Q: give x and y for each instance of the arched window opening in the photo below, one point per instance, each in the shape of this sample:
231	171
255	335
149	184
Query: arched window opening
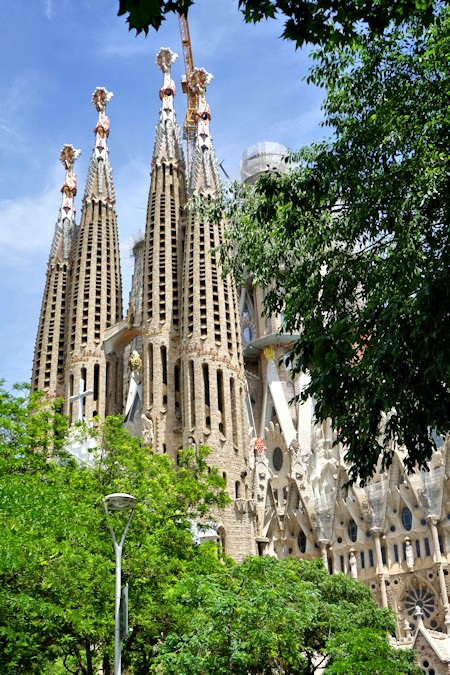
352	530
301	541
237	489
407	519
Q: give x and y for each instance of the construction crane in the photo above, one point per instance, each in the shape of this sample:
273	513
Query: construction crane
190	122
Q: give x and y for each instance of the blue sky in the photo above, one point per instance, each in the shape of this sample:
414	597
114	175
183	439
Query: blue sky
53	54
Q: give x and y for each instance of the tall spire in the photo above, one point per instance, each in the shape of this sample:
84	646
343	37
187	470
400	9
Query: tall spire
48	357
65	230
99	184
204	173
168	144
96	286
162	266
214	405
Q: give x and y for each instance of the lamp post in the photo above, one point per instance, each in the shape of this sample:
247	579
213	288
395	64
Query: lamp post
118	501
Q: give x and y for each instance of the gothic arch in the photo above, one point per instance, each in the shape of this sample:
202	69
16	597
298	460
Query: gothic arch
222	539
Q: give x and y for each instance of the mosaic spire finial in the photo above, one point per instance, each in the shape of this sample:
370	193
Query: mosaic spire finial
198	81
100	98
204	174
67	157
165	58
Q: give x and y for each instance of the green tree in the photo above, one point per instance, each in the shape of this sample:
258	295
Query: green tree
266	616
314	21
57	563
353	244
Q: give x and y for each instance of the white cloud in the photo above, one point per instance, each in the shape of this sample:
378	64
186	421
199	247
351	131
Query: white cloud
27	223
48	9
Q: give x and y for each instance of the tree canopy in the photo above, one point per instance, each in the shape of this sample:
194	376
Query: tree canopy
306	21
57	562
353	245
267	616
191	610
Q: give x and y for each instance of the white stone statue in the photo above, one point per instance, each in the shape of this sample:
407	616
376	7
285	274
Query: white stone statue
409	554
353	564
147	429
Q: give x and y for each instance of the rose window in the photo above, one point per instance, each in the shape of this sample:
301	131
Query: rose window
423	598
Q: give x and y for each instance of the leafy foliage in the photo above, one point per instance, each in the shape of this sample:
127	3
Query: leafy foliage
353	244
57	563
145	14
271	616
314	21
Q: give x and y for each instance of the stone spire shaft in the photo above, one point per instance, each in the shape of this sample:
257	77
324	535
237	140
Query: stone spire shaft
48	364
214	406
161	288
96	286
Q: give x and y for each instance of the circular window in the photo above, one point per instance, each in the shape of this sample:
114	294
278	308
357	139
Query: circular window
420	597
352	529
277	459
407	518
301	541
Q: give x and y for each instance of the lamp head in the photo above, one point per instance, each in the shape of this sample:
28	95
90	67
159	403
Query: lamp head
120	501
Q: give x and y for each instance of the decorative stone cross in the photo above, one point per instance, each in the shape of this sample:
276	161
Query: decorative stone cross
79	397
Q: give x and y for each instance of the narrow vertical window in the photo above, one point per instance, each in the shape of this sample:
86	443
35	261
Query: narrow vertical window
396	558
234	421
206	395
176	377
96	380
220	397
150	375
164	375
418	548
192	392
164	364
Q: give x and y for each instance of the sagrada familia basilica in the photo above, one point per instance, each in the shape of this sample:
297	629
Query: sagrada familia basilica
195	363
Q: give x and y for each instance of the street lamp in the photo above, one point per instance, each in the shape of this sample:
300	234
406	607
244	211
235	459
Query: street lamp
118	501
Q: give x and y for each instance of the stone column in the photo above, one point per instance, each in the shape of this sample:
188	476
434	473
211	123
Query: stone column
376	532
437	557
323	544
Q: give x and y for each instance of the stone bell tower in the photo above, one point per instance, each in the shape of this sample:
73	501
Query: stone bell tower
213	384
48	364
95	301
